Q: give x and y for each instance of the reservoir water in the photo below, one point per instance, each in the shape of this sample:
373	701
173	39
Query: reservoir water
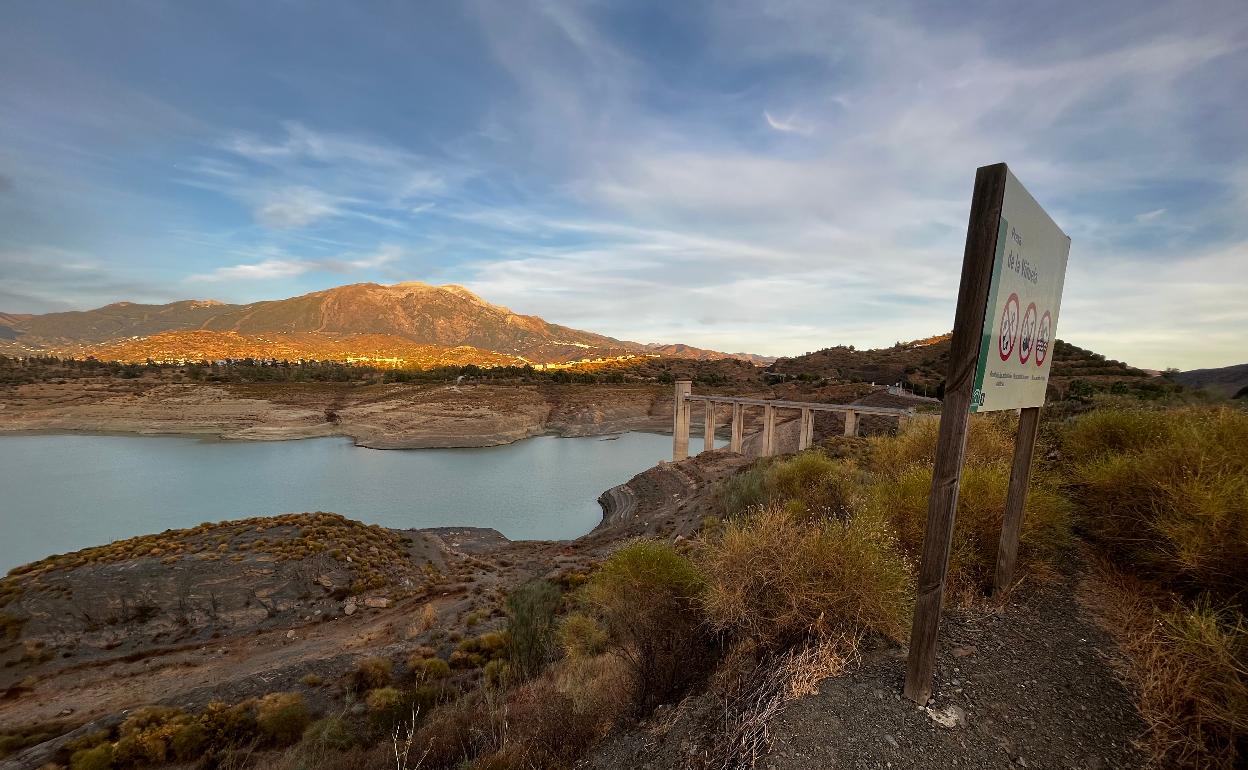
59	493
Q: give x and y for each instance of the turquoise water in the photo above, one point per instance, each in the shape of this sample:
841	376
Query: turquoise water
60	493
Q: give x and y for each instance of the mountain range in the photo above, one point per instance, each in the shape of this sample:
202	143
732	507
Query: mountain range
408	323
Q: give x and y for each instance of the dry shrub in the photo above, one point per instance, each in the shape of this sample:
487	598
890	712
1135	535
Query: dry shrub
646	597
990	440
902	501
1189	665
774	579
811	481
1167	492
282	717
599	687
371	673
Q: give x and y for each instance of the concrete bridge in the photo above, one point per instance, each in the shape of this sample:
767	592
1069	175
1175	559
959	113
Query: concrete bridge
685	396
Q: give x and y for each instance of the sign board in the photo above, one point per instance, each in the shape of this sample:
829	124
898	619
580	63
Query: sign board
1024	297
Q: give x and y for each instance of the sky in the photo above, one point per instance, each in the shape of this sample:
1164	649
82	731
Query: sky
771	176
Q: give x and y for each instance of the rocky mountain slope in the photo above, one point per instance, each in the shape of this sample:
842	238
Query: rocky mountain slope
1227	380
327	324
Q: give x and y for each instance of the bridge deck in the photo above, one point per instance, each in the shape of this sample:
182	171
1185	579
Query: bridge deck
814	406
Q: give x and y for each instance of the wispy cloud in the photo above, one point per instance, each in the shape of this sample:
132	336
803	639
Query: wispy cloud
789	125
278	267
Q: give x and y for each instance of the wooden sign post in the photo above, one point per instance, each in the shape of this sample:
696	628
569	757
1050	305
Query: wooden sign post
1013	270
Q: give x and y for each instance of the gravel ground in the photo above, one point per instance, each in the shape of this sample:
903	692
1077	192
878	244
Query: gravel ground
1030	685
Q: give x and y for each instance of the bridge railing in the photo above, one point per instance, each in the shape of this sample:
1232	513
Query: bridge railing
685	396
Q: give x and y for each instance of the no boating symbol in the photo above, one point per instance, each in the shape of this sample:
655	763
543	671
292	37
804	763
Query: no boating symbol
1027	337
1042	338
1009	328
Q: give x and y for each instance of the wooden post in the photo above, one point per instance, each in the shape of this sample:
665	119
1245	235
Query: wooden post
708	427
1016	497
769	430
738	428
851	423
968	324
807	432
680	420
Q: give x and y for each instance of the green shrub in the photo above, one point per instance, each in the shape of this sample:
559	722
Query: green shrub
774	579
1167	492
646	597
580	636
531	612
282	717
329	733
383	699
811	481
98	758
497	674
188	741
226	725
433	668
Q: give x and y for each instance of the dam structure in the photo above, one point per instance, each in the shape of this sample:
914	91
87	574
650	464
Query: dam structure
684	397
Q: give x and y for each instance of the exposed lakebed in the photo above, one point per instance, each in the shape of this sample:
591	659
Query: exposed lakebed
65	492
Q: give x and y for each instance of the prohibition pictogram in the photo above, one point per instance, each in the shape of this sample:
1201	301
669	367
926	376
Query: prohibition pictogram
1027	336
1043	337
1009	328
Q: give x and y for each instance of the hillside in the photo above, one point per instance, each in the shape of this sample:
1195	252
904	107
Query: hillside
330	324
922	364
1230	381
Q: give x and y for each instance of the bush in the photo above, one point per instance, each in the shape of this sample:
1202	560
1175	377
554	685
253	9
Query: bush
383	699
902	501
1190	666
812	482
1167	492
98	758
433	668
531	612
990	440
646	597
282	717
580	636
773	579
329	733
371	673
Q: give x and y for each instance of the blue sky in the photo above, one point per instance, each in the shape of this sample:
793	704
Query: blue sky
767	176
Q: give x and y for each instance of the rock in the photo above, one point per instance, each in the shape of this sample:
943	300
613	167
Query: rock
950	716
962	652
348	608
377	602
892	741
290	634
325	580
65	712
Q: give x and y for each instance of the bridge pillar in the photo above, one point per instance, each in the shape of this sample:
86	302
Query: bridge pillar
708	427
738	428
851	423
769	430
806	435
680	420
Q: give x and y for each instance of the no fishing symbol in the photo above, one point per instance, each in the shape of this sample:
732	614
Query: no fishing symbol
1009	328
1028	335
1042	338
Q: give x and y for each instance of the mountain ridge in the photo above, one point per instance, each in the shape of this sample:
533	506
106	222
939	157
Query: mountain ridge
411	313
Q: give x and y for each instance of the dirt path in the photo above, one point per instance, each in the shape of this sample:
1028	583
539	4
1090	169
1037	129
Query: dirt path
1032	686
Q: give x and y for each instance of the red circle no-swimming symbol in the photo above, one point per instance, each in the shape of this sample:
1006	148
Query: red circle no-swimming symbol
1044	338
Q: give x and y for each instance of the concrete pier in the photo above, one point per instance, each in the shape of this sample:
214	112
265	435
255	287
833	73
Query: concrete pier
769	430
680	420
708	426
738	428
806	435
